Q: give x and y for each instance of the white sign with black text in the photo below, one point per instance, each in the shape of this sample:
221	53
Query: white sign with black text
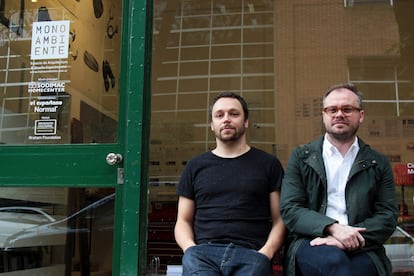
50	39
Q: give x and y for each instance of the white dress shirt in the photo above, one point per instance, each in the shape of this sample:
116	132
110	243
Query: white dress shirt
337	169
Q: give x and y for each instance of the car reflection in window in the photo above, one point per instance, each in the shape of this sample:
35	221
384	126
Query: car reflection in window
400	250
26	232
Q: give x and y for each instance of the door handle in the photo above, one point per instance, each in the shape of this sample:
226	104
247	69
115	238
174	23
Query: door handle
113	158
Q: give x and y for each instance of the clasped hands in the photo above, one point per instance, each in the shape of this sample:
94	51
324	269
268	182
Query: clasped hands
344	237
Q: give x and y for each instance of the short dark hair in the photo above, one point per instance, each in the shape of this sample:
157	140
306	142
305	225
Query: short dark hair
229	94
350	86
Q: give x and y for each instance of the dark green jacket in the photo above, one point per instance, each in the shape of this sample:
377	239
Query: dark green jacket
370	198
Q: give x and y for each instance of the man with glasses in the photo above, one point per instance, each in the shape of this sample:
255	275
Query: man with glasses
338	198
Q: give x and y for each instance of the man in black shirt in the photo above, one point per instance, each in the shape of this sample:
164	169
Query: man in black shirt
228	220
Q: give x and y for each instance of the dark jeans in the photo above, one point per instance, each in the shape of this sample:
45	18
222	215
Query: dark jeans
330	260
224	259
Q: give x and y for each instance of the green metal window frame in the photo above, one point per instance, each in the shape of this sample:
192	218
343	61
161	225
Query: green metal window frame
131	208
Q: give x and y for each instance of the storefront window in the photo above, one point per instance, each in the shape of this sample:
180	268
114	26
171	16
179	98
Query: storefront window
59	70
281	56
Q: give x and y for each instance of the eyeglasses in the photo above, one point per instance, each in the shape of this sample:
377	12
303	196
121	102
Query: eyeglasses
347	110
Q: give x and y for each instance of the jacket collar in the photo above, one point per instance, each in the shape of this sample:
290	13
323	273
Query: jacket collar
311	154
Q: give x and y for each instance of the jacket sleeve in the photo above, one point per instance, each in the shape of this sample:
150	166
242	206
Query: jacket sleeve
382	213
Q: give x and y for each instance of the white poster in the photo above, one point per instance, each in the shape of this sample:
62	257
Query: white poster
50	40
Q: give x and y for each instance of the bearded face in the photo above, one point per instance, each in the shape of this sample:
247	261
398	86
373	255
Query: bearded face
342	115
228	122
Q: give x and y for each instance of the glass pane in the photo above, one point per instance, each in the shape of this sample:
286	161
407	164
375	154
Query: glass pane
209	46
280	56
59	71
406	91
55	231
378	91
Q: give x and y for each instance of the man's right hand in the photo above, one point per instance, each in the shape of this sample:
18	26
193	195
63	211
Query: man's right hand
350	237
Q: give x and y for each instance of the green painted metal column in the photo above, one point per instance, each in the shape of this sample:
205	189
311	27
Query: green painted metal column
130	235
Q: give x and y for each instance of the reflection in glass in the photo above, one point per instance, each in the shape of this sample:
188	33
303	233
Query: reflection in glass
56	231
281	56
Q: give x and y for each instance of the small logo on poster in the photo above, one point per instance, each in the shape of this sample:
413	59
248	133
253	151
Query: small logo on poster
50	40
45	127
